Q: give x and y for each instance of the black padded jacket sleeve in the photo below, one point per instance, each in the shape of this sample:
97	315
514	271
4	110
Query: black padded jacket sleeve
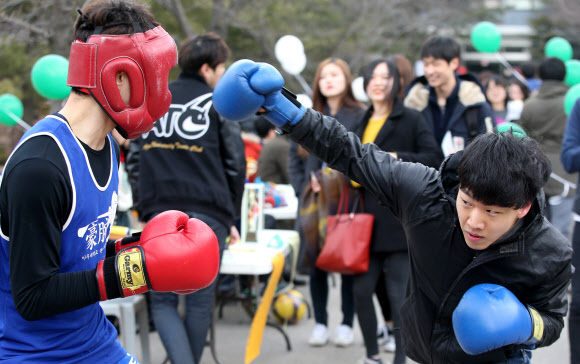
233	158
132	160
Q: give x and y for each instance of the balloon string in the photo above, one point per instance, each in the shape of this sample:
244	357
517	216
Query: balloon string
304	85
508	66
18	120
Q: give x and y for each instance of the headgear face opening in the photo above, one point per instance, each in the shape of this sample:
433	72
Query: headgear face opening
146	58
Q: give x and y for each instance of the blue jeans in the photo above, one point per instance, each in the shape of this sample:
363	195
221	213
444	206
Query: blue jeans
184	340
574	315
522	356
560	214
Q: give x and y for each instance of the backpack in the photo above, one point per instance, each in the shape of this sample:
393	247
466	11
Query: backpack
471	116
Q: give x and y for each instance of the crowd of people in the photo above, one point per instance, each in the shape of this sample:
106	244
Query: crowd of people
459	208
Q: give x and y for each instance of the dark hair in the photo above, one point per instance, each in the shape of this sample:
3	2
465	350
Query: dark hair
440	47
552	69
347	99
262	126
499	81
207	48
405	72
393	72
524	88
503	170
528	70
113	17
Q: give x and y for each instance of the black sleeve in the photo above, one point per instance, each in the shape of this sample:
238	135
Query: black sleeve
233	157
427	151
398	185
132	160
38	203
296	168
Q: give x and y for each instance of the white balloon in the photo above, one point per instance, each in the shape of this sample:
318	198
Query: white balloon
358	90
304	100
294	65
287	47
419	68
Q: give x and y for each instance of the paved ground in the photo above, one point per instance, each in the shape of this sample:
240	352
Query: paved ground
232	332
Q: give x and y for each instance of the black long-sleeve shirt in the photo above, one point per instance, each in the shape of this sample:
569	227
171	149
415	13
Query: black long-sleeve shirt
35	202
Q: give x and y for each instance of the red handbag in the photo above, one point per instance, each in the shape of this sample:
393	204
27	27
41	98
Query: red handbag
348	239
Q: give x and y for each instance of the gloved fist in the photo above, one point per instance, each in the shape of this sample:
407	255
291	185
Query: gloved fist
173	253
247	86
489	316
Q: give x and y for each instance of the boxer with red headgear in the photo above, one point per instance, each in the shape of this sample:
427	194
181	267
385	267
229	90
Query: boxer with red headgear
58	198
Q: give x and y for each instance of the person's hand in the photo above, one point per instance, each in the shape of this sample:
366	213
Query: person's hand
302	153
247	87
490	316
173	253
234	235
124	143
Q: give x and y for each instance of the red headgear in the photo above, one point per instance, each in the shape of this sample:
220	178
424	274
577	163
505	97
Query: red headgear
146	58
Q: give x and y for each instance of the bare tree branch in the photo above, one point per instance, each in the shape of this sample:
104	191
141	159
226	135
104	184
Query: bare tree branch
21	24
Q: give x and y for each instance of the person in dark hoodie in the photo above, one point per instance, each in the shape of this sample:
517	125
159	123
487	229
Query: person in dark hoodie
488	273
192	161
453	105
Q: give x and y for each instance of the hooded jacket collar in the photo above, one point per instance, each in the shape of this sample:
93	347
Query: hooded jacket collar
470	92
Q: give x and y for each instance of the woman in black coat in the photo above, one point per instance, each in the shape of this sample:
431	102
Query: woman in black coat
404	134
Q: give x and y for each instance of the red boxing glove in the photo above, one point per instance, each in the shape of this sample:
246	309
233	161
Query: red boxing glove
174	253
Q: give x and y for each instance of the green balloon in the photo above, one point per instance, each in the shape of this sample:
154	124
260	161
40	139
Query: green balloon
486	37
516	129
49	76
572	95
572	72
558	47
10	104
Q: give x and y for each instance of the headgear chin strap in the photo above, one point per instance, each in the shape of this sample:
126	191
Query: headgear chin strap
146	58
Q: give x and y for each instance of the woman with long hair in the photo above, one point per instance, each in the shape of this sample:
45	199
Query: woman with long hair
405	135
517	94
496	96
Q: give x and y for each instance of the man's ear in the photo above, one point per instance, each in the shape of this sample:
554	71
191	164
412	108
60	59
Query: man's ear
454	63
524	210
120	78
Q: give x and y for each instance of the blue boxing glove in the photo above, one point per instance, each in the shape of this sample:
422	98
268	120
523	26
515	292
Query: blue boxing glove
490	316
247	86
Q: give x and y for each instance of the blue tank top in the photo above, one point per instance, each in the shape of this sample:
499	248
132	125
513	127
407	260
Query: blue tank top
84	335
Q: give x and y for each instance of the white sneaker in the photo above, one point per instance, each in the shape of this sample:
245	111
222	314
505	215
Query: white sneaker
386	339
344	336
390	345
382	335
319	336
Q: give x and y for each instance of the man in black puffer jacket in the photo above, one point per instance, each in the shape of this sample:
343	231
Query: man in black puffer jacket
451	248
478	220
